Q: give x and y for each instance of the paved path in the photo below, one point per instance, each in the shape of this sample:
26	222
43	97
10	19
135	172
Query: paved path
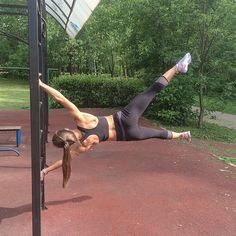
221	119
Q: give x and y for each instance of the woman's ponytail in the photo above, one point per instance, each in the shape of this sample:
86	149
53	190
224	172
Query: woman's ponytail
64	139
66	164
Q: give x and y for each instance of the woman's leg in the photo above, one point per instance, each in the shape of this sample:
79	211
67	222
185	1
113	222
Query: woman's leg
142	133
184	135
132	112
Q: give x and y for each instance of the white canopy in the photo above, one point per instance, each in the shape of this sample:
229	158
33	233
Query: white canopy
71	14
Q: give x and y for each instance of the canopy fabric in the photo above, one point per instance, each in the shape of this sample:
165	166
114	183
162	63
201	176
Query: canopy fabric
71	14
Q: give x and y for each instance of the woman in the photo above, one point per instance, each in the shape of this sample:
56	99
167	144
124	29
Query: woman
121	126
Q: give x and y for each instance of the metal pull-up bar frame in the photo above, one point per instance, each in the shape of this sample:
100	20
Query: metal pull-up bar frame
15	7
36	12
39	105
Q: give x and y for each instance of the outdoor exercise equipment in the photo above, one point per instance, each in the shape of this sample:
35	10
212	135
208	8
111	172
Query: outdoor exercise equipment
9	150
17	130
71	15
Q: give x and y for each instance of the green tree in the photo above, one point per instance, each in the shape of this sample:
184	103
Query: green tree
211	27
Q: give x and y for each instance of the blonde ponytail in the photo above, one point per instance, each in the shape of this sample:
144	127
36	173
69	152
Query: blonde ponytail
66	164
64	139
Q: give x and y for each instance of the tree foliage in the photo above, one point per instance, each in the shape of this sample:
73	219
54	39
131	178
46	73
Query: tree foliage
140	38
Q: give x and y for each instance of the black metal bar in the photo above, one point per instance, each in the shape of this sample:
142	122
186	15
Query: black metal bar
55	14
45	53
19	6
42	116
58	8
15	7
13	36
66	3
56	20
71	9
13	13
44	108
33	9
23	68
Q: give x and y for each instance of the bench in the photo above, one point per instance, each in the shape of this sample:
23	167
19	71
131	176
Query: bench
9	150
17	129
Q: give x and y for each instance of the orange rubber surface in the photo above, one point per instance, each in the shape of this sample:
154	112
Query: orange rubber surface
145	188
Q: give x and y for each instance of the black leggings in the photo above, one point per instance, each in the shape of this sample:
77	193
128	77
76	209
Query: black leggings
126	120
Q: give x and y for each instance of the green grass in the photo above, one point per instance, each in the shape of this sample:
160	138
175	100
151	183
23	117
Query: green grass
230	107
208	132
14	94
213	132
217	104
229	160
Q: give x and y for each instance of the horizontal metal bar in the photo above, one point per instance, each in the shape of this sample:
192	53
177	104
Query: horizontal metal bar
19	6
9	150
22	68
9	35
13	13
56	15
14	68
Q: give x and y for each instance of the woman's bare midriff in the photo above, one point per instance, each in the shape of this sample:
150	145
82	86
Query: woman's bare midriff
112	129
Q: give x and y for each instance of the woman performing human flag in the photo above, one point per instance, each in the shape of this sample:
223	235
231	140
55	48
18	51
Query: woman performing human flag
91	130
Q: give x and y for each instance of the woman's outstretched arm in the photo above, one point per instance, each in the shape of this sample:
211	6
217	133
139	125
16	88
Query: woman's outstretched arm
58	97
57	164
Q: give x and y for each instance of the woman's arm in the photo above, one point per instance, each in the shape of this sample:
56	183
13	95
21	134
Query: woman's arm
76	150
57	165
58	97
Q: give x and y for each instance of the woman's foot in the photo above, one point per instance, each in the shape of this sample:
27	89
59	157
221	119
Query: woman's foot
186	136
182	65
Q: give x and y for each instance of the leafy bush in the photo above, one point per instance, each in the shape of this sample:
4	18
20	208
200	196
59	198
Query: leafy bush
221	88
17	74
172	106
229	91
93	91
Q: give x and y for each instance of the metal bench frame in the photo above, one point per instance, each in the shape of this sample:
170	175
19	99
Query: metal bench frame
9	150
17	129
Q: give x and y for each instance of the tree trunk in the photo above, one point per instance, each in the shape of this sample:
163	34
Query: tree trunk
125	70
94	67
203	39
112	65
202	109
59	69
70	65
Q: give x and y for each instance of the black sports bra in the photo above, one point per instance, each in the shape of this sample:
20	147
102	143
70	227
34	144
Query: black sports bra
101	130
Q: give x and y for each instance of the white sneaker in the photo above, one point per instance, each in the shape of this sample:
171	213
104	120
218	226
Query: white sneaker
182	65
186	136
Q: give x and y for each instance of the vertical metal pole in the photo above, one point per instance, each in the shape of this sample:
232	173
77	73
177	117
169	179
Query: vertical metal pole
45	67
44	103
33	10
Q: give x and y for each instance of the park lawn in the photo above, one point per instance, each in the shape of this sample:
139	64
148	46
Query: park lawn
225	106
230	107
14	94
209	131
212	132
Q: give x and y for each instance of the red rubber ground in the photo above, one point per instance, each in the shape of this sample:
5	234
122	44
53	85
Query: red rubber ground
146	188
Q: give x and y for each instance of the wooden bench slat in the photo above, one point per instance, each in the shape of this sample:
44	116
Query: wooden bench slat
10	128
